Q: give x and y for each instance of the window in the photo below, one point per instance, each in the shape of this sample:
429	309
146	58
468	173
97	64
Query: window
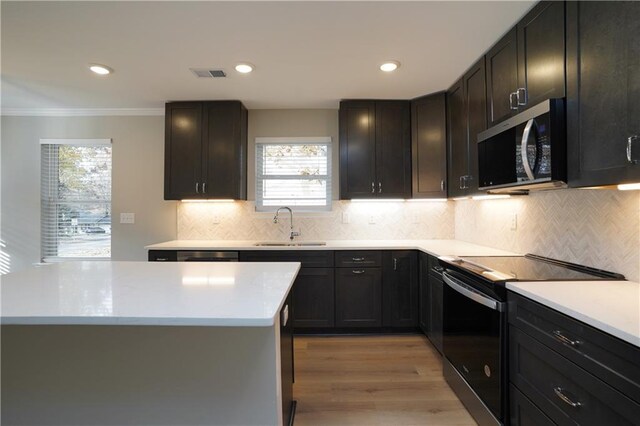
294	172
76	198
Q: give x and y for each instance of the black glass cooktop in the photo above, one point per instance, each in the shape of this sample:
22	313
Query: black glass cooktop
530	268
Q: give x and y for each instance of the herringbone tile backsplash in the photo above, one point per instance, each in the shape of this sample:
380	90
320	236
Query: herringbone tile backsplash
598	228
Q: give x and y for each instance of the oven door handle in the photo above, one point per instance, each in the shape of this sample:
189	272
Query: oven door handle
523	149
472	294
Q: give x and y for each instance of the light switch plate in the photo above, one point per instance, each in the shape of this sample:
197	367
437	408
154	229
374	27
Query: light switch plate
514	222
128	218
372	220
345	217
416	218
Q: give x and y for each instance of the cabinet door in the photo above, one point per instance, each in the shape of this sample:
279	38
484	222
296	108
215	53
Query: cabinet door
475	97
457	139
523	412
313	298
435	332
357	149
358	297
400	307
502	78
429	146
425	294
541	54
393	149
225	150
183	150
603	92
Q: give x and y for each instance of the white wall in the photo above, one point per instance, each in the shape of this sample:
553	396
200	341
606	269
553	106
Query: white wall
138	173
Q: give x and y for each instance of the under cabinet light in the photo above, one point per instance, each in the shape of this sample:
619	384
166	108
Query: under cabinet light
208	201
427	200
378	200
629	186
490	197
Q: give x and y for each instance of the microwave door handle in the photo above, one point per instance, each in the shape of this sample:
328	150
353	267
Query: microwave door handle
523	149
472	294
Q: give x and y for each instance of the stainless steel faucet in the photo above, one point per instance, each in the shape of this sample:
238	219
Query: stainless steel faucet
275	220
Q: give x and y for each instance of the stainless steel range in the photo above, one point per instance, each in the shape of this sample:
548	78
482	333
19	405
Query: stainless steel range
475	321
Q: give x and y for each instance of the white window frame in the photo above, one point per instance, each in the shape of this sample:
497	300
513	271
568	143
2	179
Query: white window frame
82	142
322	140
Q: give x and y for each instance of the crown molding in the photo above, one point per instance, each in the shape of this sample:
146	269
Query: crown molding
80	112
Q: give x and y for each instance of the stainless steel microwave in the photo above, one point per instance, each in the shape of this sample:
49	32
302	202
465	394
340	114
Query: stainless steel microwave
525	152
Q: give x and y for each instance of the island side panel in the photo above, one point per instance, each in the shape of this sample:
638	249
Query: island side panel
131	375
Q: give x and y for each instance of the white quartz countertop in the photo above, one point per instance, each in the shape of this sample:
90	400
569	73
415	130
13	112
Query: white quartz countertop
610	306
433	247
147	293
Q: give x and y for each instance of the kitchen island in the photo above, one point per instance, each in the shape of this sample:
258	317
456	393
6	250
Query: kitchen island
118	343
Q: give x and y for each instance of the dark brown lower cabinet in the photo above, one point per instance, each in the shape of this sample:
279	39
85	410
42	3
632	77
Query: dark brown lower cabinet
358	297
424	294
313	298
523	412
436	286
400	306
569	371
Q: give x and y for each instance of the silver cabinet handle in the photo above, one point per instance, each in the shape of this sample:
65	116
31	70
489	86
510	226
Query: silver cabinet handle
197	187
630	141
285	315
461	180
162	259
395	263
512	97
523	149
379	187
522	101
373	188
358	271
564	339
560	394
442	185
204	187
357	259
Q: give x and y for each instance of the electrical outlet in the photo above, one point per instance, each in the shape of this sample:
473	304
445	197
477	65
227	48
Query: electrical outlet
128	218
514	221
372	220
345	217
416	218
216	219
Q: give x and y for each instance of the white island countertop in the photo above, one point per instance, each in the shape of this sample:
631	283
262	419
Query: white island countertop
147	293
610	306
432	247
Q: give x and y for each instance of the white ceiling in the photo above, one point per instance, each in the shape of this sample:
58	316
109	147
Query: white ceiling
307	54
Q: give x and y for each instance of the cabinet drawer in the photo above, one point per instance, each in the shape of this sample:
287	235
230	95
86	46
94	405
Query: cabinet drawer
163	255
523	412
308	258
605	356
565	392
348	259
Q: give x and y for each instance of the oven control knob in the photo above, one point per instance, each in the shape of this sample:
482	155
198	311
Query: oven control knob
487	370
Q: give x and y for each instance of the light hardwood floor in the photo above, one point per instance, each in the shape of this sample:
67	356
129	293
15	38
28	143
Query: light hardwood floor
372	380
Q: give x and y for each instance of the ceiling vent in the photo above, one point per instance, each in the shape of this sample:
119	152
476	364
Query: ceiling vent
205	73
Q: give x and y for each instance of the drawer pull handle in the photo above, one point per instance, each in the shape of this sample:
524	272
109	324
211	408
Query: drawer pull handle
564	339
162	259
358	259
356	271
565	398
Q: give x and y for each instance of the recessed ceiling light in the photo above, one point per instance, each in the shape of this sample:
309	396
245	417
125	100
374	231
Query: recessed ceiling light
100	69
244	68
389	66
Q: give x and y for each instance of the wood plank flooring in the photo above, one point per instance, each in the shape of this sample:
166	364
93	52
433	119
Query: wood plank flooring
372	380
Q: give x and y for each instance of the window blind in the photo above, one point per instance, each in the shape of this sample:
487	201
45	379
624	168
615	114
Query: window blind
294	172
75	198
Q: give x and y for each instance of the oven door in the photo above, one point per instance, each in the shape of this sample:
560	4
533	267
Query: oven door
473	340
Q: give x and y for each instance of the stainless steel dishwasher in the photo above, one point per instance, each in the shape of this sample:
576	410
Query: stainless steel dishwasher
207	256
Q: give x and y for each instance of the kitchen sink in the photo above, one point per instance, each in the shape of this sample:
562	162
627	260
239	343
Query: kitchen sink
290	244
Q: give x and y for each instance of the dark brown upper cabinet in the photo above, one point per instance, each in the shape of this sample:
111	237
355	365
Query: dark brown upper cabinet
375	149
466	117
527	65
429	146
205	150
502	78
603	92
541	54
